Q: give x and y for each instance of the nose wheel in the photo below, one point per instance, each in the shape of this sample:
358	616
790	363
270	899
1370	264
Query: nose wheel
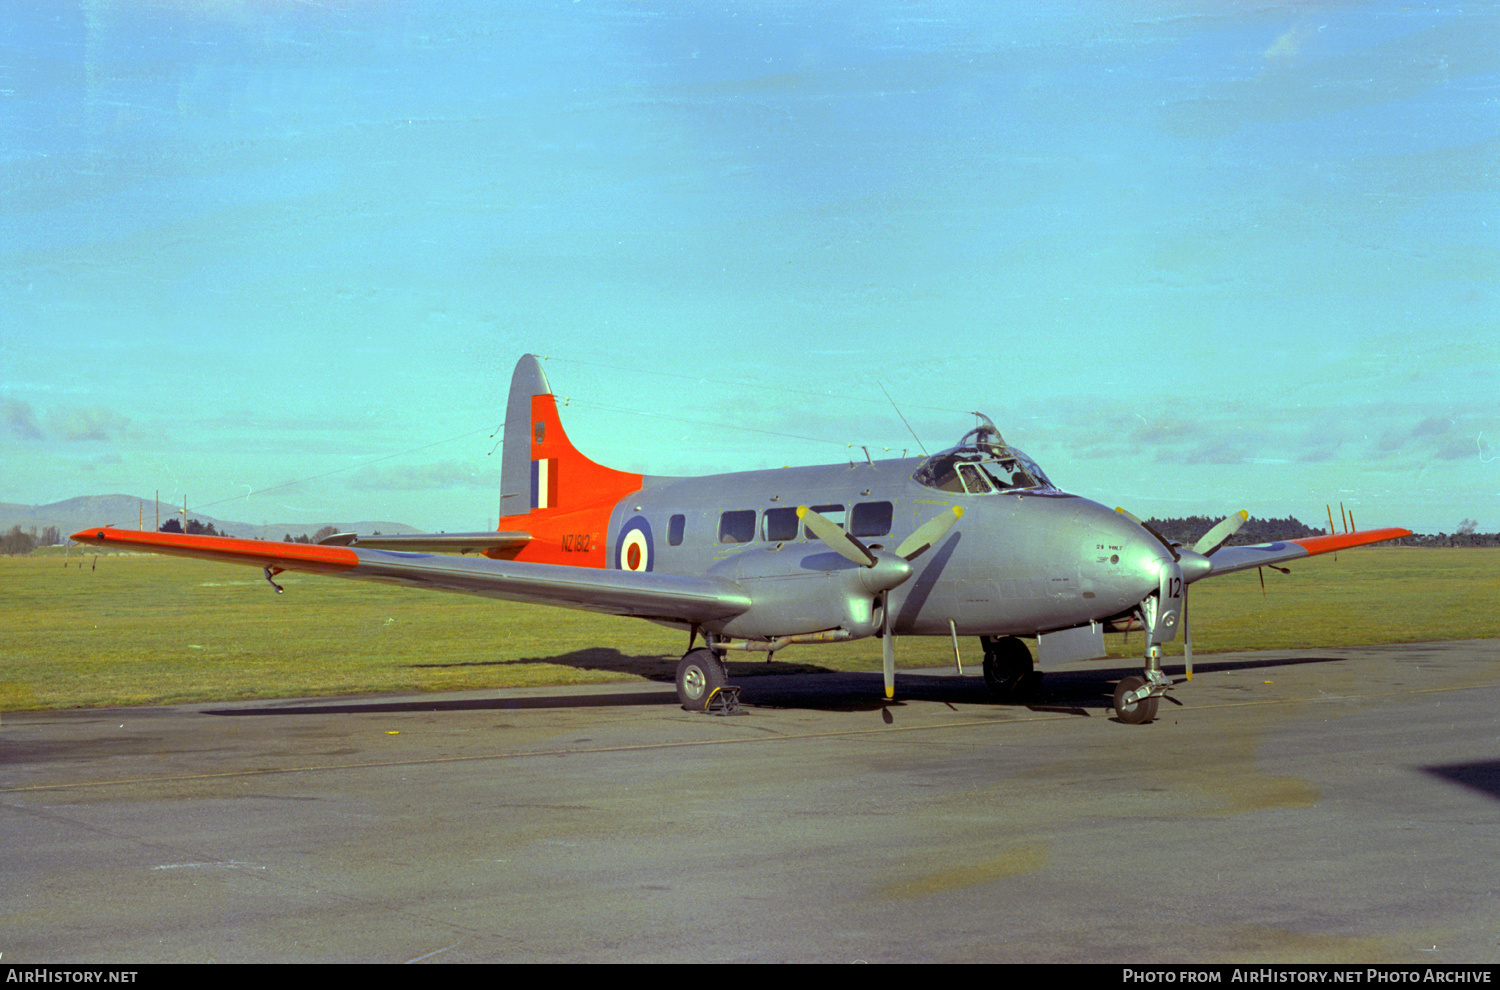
1130	705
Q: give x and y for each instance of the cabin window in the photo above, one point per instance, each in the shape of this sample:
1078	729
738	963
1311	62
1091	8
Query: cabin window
675	526
779	525
833	513
871	519
737	526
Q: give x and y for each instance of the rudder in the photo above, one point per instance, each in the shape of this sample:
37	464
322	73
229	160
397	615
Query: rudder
515	465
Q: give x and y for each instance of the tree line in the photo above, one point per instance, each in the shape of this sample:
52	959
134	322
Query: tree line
1187	531
19	542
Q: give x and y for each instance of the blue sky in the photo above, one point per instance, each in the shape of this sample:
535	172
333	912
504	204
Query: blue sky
1192	257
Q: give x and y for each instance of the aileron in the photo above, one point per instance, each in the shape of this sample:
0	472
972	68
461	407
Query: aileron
460	543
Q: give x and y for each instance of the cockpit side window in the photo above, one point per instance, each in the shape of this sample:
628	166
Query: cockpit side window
1009	474
941	473
973	476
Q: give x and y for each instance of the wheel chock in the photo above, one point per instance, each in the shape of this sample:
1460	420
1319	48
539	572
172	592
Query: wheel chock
724	701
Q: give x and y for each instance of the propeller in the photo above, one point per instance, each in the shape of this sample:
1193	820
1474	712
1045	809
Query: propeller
1208	544
897	568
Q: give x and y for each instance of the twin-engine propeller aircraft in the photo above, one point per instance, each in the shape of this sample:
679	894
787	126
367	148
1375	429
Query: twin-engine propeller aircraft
972	541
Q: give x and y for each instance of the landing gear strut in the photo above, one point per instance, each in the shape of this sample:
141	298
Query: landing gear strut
1161	611
1008	670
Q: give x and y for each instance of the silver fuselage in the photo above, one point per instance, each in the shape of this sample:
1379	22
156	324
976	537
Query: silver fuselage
1018	562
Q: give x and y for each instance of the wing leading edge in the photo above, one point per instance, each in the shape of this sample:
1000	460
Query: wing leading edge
649	595
1227	560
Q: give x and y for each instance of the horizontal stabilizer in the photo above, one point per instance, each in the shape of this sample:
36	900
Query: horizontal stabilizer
432	542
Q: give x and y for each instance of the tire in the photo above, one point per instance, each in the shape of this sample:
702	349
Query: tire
1008	671
1139	713
699	675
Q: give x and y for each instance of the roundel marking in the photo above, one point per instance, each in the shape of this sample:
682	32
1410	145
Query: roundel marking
634	550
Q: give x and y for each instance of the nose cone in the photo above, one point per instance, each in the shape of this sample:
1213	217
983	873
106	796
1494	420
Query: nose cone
1194	565
887	572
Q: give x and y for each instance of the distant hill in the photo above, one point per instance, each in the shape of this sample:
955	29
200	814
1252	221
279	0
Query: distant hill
124	511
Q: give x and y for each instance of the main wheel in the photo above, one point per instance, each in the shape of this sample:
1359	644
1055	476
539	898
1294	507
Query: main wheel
1008	671
699	675
1142	711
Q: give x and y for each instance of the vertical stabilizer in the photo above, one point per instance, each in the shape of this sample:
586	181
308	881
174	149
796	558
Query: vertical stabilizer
545	479
515	466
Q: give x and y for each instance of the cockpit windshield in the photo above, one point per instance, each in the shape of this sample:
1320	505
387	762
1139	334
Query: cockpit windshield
981	463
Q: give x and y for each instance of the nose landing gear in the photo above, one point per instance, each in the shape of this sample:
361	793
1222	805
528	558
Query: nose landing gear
1136	697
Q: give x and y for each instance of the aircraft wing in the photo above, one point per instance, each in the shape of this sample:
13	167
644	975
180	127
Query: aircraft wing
1227	560
648	595
431	542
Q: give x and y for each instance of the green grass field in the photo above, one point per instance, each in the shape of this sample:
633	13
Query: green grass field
127	629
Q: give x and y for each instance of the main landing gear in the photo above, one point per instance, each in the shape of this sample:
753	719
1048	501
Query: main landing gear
703	683
1008	670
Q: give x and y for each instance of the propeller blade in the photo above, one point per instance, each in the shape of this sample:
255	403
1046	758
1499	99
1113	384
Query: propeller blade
1187	635
929	533
888	650
1159	538
837	539
1215	538
887	646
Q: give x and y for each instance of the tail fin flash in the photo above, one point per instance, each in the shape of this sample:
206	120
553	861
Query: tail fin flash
528	381
541	469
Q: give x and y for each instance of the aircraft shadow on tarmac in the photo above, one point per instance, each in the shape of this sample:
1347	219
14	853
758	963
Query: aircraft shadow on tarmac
792	686
1483	777
651	666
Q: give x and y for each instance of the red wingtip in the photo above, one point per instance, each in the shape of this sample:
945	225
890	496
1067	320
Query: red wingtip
1343	541
301	556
